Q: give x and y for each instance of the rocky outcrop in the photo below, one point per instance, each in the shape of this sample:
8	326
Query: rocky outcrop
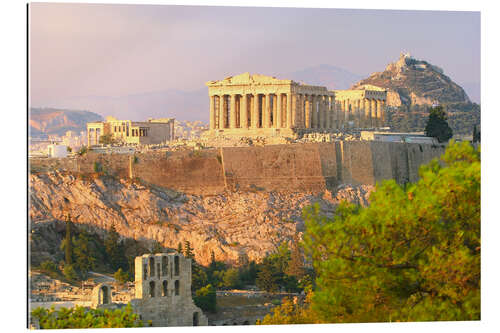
231	224
410	81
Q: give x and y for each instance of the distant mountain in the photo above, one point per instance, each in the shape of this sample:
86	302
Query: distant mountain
415	82
325	75
58	121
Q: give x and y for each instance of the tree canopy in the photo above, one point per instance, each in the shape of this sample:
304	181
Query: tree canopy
437	125
412	255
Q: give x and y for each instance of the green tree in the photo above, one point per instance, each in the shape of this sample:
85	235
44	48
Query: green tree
199	276
206	298
121	276
267	277
80	317
188	250
115	250
437	125
231	279
296	263
412	255
84	256
179	248
69	272
66	244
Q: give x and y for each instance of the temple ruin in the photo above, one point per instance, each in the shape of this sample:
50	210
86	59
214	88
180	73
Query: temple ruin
255	105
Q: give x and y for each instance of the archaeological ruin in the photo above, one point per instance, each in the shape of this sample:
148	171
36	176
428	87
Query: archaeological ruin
363	107
163	291
256	105
153	131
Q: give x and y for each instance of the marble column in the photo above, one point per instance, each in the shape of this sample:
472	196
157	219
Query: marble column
212	113
243	111
367	117
266	123
255	113
307	111
328	112
279	112
289	123
296	111
222	112
314	111
232	113
275	110
374	113
382	118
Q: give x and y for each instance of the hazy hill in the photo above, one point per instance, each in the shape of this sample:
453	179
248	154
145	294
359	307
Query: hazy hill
416	82
58	121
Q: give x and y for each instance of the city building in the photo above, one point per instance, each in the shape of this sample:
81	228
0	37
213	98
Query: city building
153	131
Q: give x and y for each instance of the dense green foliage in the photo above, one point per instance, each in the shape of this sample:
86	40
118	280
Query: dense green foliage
206	298
84	256
412	255
437	125
115	250
80	317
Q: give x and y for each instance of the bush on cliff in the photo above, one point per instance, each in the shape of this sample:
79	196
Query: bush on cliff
412	255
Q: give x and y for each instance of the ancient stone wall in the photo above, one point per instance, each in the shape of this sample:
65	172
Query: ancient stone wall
309	167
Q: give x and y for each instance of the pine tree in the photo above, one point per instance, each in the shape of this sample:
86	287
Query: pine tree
115	249
188	251
296	263
179	248
84	256
437	125
68	251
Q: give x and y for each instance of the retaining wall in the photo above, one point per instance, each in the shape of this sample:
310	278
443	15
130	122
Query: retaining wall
308	167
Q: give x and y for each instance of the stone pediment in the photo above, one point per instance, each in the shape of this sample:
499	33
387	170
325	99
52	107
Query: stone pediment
247	78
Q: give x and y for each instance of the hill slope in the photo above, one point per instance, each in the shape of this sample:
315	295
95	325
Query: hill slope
58	121
416	82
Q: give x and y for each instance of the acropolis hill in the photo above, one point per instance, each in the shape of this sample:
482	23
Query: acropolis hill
233	200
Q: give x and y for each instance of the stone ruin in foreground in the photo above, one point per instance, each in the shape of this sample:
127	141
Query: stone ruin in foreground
162	292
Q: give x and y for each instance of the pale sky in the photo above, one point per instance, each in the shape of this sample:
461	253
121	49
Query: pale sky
116	50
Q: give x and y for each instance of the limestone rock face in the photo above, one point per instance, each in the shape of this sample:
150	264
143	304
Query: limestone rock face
231	224
410	81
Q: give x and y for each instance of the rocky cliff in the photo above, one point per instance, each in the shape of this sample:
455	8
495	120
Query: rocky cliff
230	224
410	81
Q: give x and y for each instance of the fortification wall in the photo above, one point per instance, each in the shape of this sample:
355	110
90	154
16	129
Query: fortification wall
192	172
311	167
274	167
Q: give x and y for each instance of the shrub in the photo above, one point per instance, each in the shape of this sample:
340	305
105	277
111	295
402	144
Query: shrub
206	298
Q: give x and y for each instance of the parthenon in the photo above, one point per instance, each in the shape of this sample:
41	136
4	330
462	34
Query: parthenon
259	105
365	106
